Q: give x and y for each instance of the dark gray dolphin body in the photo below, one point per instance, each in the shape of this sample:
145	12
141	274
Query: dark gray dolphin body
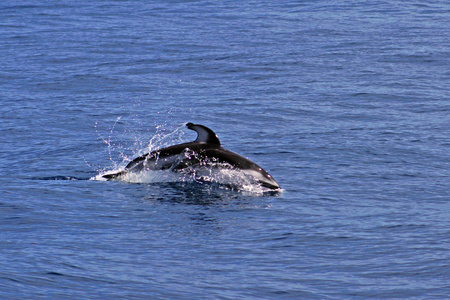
206	150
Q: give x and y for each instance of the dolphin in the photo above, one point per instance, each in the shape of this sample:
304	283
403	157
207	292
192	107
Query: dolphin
205	151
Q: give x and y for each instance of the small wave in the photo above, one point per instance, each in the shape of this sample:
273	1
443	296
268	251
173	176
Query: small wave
60	177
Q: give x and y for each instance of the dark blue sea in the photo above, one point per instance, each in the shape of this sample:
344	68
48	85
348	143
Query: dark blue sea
345	103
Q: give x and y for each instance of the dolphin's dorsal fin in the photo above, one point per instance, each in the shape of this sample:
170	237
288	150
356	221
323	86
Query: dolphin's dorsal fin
205	135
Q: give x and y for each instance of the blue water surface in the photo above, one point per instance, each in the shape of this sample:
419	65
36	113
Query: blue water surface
345	103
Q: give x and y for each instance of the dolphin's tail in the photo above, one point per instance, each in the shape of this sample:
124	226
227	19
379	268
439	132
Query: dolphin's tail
114	175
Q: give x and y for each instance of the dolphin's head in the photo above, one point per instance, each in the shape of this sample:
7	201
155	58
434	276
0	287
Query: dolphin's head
266	179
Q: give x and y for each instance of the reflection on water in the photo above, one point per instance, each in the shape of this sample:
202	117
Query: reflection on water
195	193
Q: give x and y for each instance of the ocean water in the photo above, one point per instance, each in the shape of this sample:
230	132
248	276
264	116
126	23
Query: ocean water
345	103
